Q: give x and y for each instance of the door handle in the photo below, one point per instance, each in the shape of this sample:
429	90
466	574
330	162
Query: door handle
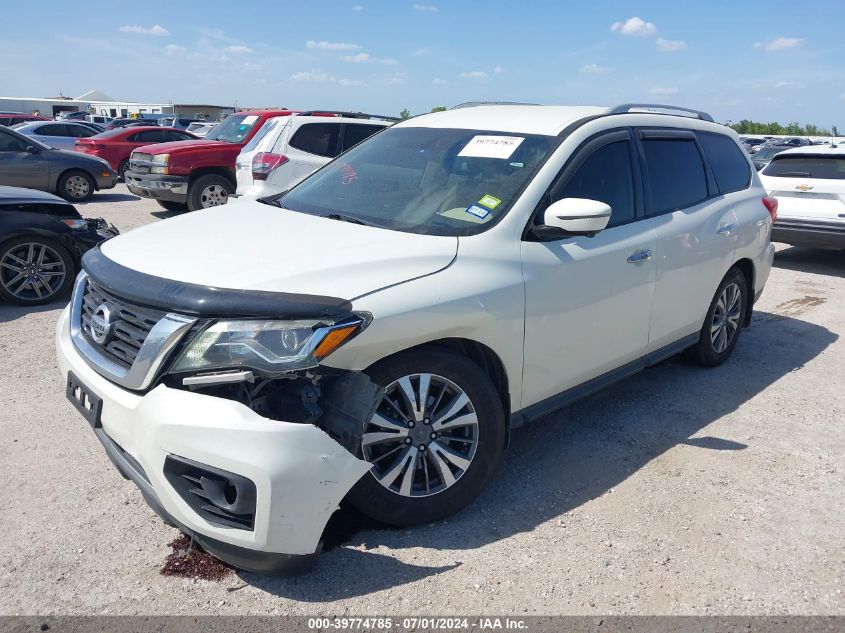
725	230
639	257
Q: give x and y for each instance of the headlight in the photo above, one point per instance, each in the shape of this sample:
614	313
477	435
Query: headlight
266	346
159	163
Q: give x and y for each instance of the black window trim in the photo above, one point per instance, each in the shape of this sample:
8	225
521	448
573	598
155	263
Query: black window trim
701	150
680	134
578	158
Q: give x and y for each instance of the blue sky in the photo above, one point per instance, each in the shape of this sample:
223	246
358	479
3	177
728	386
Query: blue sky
762	60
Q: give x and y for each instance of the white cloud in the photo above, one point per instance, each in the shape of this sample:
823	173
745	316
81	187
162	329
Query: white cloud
499	69
442	82
474	74
663	92
425	7
779	44
634	26
357	8
332	46
321	77
785	84
366	58
594	69
422	52
238	50
174	51
670	46
396	79
142	30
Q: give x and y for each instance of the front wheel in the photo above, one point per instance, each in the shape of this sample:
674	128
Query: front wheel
34	270
435	440
209	191
76	186
724	320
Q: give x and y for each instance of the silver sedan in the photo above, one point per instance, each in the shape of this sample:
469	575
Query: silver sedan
56	134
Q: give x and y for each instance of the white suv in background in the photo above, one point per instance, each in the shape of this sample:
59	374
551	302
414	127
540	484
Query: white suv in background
377	331
809	184
287	149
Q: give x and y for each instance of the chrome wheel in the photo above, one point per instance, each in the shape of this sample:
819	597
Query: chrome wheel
78	187
423	436
725	322
32	271
213	196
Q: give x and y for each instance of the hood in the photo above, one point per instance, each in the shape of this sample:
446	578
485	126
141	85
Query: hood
176	146
253	246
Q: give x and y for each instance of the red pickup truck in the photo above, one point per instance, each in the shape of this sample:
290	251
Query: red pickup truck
195	174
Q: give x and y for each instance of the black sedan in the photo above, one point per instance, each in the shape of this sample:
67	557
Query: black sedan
42	239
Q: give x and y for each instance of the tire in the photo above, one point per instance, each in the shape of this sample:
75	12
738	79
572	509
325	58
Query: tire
76	186
719	334
122	169
209	191
431	495
173	206
44	280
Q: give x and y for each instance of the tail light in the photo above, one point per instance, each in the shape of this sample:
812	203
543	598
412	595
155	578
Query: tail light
264	162
771	205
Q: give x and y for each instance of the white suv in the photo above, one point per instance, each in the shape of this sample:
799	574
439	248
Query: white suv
377	331
809	184
287	149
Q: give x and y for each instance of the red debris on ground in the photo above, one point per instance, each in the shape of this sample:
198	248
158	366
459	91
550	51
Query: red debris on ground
192	562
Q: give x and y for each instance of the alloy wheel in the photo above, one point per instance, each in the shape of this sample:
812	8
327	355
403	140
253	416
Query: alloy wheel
213	196
725	322
423	436
32	271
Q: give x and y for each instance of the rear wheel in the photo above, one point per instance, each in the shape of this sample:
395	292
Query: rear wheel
76	186
723	324
173	206
122	169
435	440
209	191
34	270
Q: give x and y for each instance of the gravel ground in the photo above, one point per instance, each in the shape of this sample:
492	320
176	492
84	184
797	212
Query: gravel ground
679	491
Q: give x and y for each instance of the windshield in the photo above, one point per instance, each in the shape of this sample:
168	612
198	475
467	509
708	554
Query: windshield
234	128
807	166
425	180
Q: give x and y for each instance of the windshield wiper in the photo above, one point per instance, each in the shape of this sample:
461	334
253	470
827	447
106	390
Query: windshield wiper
347	218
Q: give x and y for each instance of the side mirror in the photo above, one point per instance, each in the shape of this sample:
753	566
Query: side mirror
573	216
31	149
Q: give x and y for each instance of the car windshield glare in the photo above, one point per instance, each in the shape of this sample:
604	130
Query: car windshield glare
234	128
425	180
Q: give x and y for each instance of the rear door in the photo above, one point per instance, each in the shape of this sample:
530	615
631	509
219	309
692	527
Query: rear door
19	168
696	231
311	146
55	135
808	186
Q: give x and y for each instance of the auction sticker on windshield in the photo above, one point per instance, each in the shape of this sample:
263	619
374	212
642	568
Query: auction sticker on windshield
491	146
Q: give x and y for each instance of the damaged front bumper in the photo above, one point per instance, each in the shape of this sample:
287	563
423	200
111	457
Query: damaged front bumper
253	491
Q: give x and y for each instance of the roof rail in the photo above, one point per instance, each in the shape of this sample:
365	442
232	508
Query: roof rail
652	107
348	115
473	104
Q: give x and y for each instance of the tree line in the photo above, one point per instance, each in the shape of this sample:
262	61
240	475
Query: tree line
776	129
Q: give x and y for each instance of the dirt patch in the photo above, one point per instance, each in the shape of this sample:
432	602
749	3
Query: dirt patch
794	307
188	560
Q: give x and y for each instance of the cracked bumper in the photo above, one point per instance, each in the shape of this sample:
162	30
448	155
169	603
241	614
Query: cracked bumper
300	473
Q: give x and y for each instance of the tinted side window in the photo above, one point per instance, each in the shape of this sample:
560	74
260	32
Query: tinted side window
81	131
727	162
607	176
354	134
150	136
317	138
177	136
9	143
675	174
53	129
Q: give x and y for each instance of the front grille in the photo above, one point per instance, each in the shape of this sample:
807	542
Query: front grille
140	163
130	324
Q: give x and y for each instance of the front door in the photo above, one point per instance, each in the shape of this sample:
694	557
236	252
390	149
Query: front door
20	168
589	299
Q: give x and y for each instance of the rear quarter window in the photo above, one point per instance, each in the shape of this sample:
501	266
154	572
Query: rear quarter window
807	166
727	160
